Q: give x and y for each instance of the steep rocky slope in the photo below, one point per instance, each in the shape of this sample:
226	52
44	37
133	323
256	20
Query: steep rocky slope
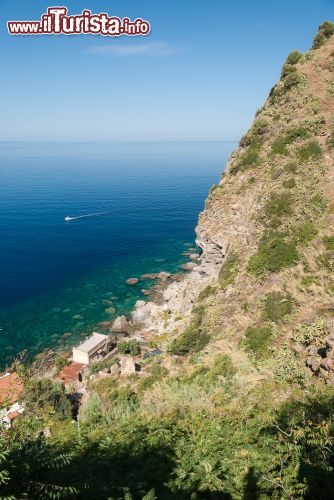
267	229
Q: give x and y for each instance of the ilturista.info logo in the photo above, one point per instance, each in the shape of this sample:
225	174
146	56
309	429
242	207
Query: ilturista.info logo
56	21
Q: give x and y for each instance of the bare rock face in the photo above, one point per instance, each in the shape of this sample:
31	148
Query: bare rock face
163	276
120	325
114	370
128	366
188	266
194	256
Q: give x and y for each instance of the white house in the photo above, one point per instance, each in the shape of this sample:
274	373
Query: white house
92	349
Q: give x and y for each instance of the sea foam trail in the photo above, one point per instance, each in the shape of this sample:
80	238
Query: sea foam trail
68	218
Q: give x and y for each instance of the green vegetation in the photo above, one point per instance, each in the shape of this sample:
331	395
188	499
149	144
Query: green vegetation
208	290
156	373
330	140
313	333
328	242
194	338
278	206
288	368
258	341
274	254
289	183
319	202
294	57
309	151
131	347
279	146
229	270
277	306
291	167
101	365
288	69
196	455
250	158
326	260
222	367
304	233
326	30
60	362
47	398
292	80
256	134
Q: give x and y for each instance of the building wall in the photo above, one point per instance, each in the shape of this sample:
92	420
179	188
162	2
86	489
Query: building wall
80	357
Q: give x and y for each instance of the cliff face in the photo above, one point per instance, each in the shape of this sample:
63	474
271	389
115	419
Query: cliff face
266	233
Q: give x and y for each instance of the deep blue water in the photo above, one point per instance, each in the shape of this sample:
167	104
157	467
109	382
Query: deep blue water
58	277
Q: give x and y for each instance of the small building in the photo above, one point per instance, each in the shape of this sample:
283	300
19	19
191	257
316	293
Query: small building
11	388
96	347
71	373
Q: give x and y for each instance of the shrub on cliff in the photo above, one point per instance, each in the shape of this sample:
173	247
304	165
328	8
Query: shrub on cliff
132	347
229	270
292	80
274	254
45	398
287	69
326	30
294	57
194	338
304	233
279	146
249	158
255	134
289	183
309	151
277	305
222	367
257	340
328	242
278	206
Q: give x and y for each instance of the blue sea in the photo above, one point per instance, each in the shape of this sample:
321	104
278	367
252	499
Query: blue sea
59	280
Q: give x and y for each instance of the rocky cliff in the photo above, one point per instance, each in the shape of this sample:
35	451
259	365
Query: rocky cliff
266	233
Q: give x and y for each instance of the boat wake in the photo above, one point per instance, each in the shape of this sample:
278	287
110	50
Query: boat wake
68	218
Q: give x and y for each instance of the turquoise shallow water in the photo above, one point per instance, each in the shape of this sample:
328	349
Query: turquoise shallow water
58	279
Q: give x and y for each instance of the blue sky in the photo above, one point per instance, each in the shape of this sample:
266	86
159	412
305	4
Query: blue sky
200	75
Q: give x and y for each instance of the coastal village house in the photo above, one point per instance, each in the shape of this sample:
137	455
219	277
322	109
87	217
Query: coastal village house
11	388
96	347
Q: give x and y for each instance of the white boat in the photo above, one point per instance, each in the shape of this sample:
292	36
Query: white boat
68	218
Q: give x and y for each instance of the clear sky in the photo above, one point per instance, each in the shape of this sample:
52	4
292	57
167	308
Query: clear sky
200	75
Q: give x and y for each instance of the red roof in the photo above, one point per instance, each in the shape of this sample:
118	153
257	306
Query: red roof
71	372
11	388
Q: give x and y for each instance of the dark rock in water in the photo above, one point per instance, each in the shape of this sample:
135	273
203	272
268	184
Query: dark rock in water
132	281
